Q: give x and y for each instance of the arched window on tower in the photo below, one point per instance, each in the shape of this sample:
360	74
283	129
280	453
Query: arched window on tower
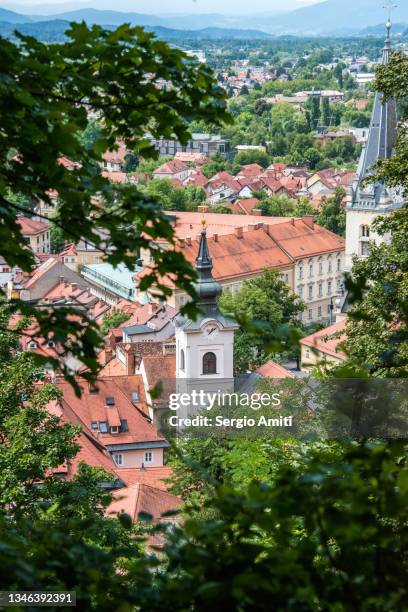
209	363
182	360
364	231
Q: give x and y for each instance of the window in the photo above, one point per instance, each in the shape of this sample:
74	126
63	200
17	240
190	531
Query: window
364	249
310	314
93	390
329	287
118	458
328	308
110	401
114	429
319	311
124	425
51	344
307	353
94	425
320	289
310	294
286	278
310	267
182	360
181	300
300	272
103	426
148	457
320	266
364	231
330	265
134	396
32	345
338	265
209	363
300	290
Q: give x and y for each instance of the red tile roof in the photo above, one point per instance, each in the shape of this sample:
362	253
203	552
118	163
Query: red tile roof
245	206
194	158
324	342
154	476
116	157
144	498
300	240
233	256
271	369
171	167
30	227
92	407
115	177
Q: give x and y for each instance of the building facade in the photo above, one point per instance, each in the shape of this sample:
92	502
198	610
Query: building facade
368	200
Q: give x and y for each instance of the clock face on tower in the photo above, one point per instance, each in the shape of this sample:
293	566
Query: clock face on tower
210	330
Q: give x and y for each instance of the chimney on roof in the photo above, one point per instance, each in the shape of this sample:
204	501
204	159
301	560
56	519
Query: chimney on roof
108	356
308	220
154	307
130	363
203	208
239	232
188	241
215	237
292	220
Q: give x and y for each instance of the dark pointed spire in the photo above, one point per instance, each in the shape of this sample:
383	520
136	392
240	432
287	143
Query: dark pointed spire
380	143
208	289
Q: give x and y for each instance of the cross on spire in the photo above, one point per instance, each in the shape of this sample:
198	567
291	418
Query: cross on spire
389	7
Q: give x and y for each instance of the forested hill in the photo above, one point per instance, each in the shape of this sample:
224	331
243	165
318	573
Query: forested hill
53	31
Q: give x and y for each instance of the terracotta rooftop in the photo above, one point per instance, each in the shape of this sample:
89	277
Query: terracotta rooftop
271	369
111	405
237	256
154	476
245	206
30	227
144	498
189	224
173	166
301	238
194	158
323	341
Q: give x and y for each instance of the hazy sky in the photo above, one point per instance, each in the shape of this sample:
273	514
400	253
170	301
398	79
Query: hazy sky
170	6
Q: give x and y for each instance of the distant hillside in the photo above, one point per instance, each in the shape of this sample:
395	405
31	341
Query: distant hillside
332	15
53	31
378	30
12	17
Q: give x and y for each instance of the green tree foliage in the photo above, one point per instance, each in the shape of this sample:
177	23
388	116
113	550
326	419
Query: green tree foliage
377	331
263	306
251	157
47	92
114	320
332	214
304	541
170	197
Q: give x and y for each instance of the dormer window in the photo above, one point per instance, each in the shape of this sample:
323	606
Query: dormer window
32	345
110	401
114	429
51	344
